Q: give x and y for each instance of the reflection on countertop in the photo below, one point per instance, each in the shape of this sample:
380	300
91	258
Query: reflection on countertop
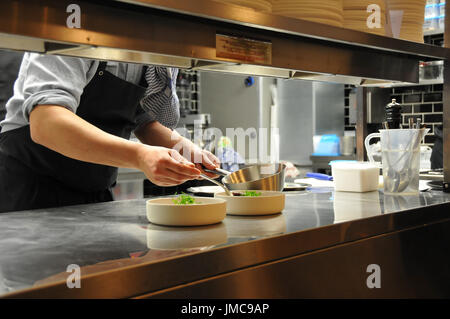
185	238
37	246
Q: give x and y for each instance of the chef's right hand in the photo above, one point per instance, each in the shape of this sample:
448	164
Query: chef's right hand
165	167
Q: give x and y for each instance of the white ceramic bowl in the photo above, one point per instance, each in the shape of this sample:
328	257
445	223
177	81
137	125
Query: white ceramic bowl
270	202
207	211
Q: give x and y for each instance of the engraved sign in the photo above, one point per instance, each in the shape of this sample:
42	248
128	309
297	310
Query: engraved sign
243	49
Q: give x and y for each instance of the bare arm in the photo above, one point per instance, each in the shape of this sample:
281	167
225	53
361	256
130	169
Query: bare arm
154	133
61	130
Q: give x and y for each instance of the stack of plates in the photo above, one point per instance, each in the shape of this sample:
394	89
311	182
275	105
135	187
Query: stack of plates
321	11
258	5
413	18
355	15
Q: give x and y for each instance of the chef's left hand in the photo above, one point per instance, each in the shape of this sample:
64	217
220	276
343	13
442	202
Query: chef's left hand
200	157
206	160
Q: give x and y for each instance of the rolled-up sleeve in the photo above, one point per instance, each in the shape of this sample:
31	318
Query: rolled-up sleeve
55	80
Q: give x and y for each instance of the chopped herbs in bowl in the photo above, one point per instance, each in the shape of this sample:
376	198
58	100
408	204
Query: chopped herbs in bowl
184	199
248	194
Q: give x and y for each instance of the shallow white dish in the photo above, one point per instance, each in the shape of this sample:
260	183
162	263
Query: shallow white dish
270	202
207	211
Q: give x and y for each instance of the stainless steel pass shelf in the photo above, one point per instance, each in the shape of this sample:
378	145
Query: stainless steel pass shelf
190	34
121	255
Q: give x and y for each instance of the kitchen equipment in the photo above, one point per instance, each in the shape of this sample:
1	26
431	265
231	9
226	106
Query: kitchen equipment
323	177
393	114
206	211
355	177
315	183
400	159
328	146
295	187
260	177
432	70
269	202
209	191
225	188
348	143
436	185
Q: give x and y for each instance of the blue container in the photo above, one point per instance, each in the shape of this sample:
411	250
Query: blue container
328	146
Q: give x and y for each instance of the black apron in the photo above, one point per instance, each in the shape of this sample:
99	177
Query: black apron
33	176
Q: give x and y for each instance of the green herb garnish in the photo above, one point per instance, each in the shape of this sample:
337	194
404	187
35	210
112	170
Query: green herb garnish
184	199
251	193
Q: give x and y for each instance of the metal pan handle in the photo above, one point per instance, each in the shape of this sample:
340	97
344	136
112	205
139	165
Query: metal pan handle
218	171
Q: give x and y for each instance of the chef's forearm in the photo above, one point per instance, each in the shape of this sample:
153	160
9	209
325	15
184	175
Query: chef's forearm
61	130
154	133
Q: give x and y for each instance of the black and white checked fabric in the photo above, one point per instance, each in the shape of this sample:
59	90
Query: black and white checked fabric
160	101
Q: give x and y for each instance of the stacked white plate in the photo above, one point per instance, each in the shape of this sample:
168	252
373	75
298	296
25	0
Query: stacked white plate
258	5
321	11
413	18
356	15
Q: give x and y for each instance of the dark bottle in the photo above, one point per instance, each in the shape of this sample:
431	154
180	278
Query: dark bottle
393	115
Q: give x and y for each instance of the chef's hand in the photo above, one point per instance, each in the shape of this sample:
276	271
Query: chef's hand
207	160
200	157
165	167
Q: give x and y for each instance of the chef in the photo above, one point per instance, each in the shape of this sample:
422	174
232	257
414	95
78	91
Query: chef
68	125
437	155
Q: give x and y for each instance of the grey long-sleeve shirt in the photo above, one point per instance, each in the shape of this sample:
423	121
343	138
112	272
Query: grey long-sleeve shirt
56	80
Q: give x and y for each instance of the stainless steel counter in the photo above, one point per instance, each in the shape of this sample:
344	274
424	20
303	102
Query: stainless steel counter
122	255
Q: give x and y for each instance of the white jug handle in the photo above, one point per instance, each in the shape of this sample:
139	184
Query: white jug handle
366	144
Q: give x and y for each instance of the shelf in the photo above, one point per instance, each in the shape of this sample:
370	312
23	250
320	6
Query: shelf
434	32
403	84
264	21
182	34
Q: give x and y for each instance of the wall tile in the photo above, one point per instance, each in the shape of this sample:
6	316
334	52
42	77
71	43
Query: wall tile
438	107
432	97
433	118
423	108
412	98
407	109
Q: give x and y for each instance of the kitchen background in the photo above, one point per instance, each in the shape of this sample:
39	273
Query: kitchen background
301	111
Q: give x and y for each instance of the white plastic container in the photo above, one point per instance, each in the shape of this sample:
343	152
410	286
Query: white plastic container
357	177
